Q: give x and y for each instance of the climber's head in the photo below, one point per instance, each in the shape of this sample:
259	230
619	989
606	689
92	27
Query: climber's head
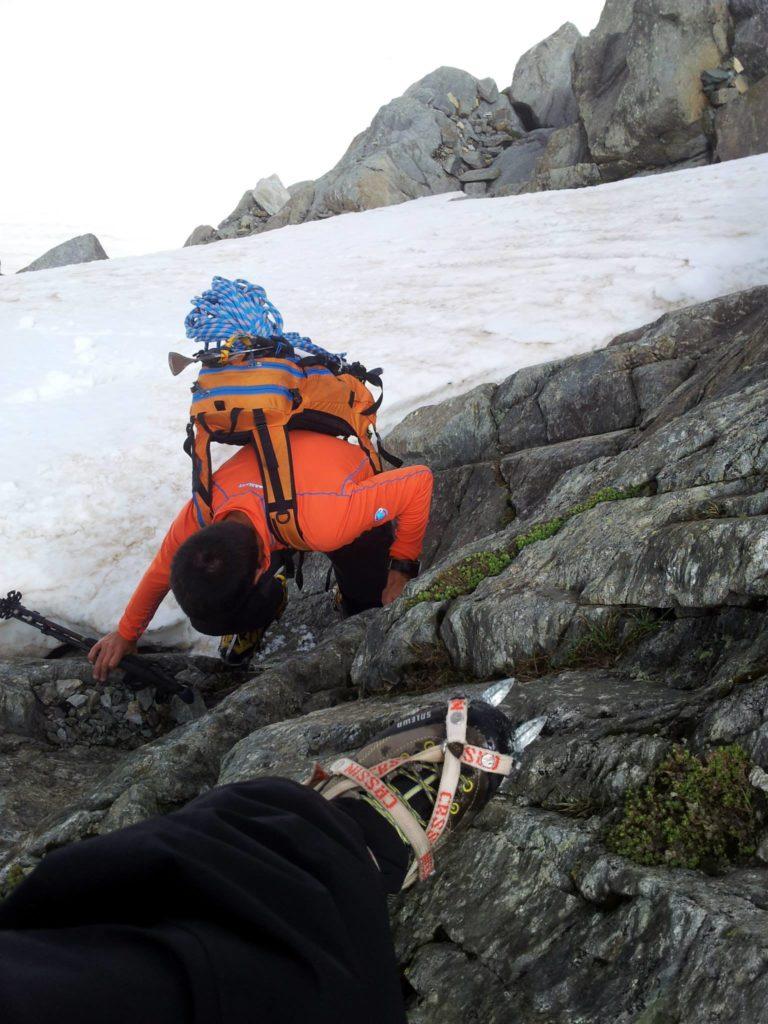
213	575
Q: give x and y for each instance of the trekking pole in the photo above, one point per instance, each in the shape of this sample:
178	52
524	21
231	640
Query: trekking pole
137	667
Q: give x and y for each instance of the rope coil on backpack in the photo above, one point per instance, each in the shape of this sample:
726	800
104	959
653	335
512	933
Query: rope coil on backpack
238	307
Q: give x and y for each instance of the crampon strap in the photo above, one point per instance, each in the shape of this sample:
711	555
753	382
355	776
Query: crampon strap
346	774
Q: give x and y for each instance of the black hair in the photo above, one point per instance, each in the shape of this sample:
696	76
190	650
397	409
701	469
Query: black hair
215	567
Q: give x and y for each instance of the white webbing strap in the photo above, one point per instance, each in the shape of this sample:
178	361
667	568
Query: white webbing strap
487	760
397	809
455	732
346	774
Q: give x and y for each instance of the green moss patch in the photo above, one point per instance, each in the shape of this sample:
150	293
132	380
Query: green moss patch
463	577
467	574
692	813
12	879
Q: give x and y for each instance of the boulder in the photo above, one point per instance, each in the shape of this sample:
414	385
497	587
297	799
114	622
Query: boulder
578	176
564	163
750	37
741	128
518	164
448	89
82	249
271	195
258	206
296	209
202	235
637	82
405	151
542	79
455	432
565	147
392	161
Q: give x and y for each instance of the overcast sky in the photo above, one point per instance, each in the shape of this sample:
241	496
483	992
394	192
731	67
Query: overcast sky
143	119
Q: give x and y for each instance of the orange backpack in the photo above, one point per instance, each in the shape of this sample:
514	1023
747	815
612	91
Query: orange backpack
255	391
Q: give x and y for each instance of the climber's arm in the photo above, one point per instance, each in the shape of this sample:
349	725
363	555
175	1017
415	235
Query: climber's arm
108	652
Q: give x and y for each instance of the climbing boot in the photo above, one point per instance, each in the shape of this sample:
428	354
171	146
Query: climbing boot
237	649
428	775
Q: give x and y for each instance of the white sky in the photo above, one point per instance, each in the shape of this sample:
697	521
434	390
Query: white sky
140	120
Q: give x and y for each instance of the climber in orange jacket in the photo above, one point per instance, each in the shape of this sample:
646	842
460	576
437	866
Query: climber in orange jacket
371	526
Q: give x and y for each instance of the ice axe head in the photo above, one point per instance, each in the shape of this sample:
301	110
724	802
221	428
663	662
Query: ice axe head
178	362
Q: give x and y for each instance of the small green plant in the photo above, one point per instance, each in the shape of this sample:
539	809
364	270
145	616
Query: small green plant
692	813
465	576
12	879
602	643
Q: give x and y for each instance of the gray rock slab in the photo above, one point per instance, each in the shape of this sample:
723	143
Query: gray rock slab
481	174
82	249
750	37
453	433
531	474
202	235
519	162
542	79
637	82
741	128
468	502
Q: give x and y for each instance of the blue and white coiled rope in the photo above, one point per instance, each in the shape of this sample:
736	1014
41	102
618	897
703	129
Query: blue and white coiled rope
239	307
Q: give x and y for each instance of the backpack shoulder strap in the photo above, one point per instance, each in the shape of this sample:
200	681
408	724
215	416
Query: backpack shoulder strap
274	453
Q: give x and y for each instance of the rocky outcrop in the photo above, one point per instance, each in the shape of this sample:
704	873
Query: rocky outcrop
251	214
645	92
545	159
617	505
750	37
542	83
82	249
420	144
202	235
742	127
637	81
442	135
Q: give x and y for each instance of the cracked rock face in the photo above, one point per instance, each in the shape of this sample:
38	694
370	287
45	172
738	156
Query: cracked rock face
636	79
542	79
633	624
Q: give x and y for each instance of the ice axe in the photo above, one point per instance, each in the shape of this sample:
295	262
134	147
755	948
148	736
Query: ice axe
138	669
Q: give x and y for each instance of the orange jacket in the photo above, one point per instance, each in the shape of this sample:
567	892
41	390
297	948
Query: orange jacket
338	497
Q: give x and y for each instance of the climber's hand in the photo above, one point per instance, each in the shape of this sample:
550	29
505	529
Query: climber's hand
395	584
107	654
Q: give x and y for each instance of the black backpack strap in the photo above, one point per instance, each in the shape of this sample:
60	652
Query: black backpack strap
393	460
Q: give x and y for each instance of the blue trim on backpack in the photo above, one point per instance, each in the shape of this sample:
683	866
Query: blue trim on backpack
258	389
255	365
